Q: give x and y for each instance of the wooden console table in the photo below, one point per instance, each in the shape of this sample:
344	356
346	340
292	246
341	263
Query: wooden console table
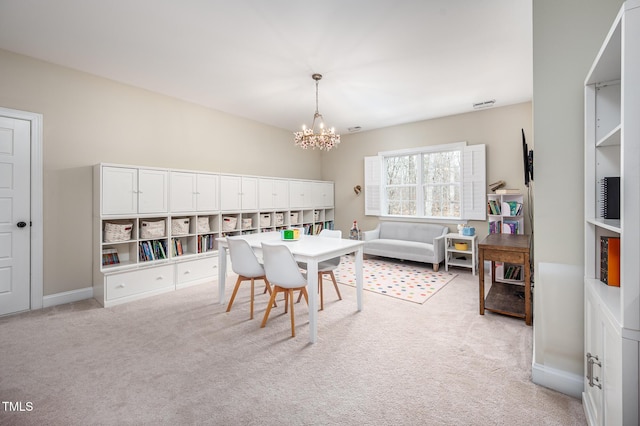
504	298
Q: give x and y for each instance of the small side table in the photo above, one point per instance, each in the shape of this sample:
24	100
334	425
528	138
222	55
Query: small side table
452	254
504	298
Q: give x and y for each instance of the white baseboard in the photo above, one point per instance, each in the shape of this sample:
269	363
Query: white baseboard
558	380
67	297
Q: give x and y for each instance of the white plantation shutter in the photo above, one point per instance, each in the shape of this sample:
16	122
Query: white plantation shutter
372	185
474	183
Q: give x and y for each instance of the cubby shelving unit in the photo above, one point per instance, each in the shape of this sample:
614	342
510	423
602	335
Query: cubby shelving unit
190	210
506	215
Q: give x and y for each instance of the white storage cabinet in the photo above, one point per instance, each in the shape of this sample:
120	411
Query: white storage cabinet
612	149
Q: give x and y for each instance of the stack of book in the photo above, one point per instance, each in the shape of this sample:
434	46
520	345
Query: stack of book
110	257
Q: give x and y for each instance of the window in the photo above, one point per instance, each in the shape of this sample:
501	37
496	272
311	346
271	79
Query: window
437	182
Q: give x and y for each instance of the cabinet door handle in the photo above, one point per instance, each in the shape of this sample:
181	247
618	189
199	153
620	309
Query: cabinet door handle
591	360
160	278
121	285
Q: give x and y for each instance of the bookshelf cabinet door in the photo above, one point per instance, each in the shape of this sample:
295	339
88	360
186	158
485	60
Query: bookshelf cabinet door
119	190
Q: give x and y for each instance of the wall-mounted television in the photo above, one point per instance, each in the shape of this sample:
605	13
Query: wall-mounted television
527	161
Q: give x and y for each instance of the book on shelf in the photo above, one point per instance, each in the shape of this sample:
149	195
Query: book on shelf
494	227
176	247
610	261
493	207
159	250
610	193
512	272
507	191
511	208
510	226
110	257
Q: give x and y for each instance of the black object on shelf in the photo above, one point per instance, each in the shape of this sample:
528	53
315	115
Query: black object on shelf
610	197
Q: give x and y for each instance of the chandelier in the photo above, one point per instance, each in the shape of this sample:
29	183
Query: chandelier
321	137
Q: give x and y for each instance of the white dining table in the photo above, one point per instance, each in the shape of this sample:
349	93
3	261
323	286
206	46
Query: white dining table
310	249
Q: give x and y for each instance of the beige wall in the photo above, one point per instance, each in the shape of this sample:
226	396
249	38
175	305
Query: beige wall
498	128
566	38
88	120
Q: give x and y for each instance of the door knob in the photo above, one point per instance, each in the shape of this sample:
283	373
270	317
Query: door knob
21	224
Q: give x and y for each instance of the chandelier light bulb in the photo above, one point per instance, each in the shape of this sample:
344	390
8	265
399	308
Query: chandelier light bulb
308	138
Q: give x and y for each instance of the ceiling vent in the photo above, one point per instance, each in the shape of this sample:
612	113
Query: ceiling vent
485	104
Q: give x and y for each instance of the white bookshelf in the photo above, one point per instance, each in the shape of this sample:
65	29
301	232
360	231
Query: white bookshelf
612	149
506	216
190	209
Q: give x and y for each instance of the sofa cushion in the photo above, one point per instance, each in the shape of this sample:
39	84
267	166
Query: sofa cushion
401	249
410	231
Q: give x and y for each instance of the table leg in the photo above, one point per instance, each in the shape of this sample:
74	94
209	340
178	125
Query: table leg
222	273
481	279
359	276
312	284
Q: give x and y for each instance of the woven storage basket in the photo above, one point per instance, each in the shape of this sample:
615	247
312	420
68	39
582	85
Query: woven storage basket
294	217
279	219
229	223
180	226
114	232
247	223
203	225
152	229
265	220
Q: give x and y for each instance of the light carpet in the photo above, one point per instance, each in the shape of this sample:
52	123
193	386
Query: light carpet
180	359
411	281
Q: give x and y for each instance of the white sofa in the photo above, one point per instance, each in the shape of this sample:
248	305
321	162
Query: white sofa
420	242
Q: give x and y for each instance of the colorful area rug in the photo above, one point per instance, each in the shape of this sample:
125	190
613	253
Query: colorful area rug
411	281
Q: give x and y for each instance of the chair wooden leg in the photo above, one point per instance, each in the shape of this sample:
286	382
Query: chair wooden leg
303	291
286	301
252	297
292	314
267	287
321	290
235	291
269	305
335	284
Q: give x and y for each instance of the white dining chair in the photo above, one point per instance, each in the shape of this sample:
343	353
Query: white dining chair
283	273
245	263
326	267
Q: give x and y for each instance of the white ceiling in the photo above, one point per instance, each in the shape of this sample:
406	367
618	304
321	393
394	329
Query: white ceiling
384	62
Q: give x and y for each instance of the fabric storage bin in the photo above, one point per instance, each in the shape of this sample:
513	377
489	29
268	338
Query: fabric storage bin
293	216
203	225
229	223
265	220
316	215
180	226
152	229
279	217
247	223
114	232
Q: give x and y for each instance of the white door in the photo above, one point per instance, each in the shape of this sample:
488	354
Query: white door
15	225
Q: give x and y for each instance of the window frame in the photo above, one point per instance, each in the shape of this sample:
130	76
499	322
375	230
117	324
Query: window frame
472	184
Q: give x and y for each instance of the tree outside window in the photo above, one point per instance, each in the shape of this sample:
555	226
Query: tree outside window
401	185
